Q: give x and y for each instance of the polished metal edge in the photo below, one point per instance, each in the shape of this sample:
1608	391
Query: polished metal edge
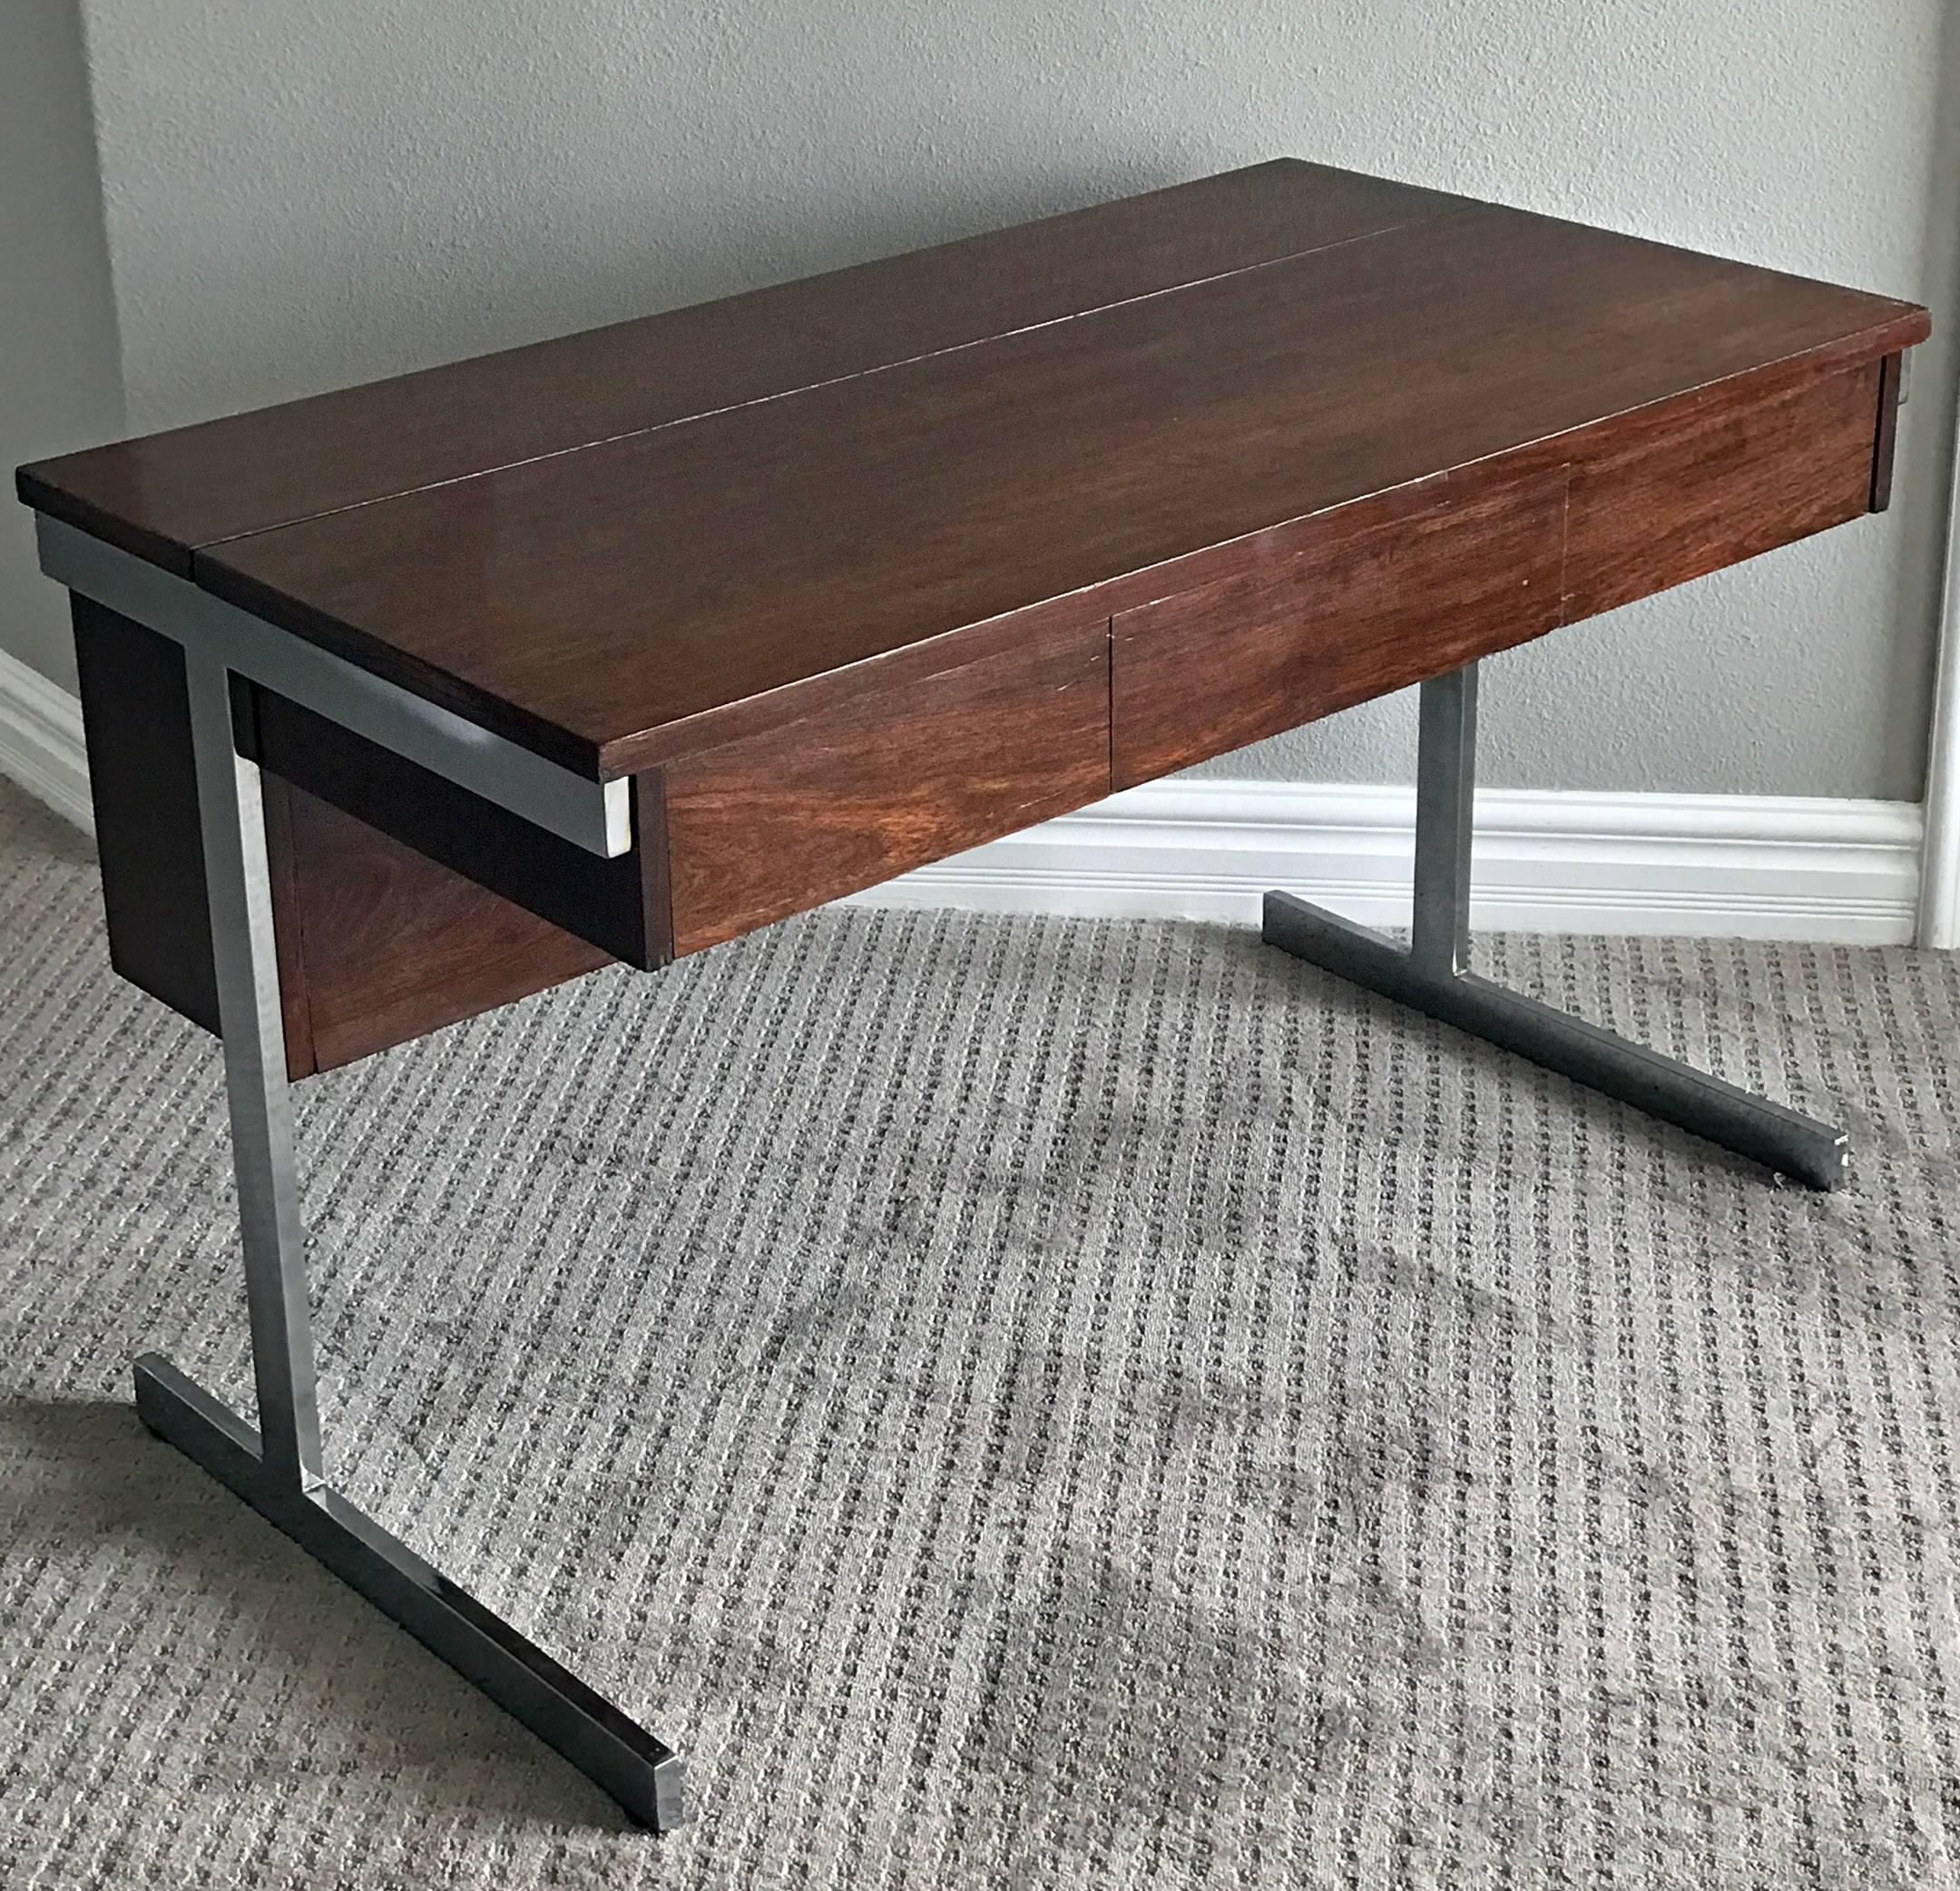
278	1469
593	815
1781	1138
238	886
1431	974
612	1750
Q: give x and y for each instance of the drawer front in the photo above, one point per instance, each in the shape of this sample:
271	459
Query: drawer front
1666	496
884	781
1331	612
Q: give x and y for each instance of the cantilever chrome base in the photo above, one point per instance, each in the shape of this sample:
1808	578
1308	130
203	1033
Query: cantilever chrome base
1676	1093
1431	975
601	1741
280	1467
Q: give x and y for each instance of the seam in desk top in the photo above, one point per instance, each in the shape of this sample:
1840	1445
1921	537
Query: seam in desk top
1449	210
1773	370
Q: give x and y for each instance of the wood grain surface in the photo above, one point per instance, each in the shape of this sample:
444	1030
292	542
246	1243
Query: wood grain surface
1347	606
783	821
619	606
165	495
388	946
1673	495
617	904
853	574
376	943
136	719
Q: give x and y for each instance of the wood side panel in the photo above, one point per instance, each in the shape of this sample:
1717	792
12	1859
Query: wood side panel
650	846
1688	487
601	900
1331	612
395	945
884	782
142	782
375	943
136	716
294	1008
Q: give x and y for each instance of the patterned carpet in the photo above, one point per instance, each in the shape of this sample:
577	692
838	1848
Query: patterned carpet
1017	1403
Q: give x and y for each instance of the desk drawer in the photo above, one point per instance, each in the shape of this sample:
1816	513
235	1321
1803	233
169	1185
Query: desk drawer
1330	612
884	781
1668	496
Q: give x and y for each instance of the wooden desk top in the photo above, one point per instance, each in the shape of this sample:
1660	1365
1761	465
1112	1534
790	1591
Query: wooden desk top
629	545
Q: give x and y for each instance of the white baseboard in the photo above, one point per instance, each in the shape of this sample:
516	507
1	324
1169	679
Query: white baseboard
1734	866
1728	866
41	742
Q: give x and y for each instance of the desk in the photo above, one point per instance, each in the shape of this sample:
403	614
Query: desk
407	700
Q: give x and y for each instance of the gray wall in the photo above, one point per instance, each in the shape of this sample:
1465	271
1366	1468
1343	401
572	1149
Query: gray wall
60	385
304	192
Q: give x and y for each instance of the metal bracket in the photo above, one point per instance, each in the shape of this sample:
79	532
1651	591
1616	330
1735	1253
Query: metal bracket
592	814
610	1748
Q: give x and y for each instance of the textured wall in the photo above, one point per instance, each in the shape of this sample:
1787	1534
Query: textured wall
59	385
311	191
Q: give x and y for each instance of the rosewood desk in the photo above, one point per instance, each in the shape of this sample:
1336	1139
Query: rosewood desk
408	701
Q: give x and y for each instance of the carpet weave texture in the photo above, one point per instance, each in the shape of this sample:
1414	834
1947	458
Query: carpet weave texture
1017	1402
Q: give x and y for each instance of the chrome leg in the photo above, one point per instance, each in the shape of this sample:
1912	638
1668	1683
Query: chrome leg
1431	974
1445	796
231	818
277	1469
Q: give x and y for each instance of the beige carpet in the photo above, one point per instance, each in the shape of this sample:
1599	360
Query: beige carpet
1016	1403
